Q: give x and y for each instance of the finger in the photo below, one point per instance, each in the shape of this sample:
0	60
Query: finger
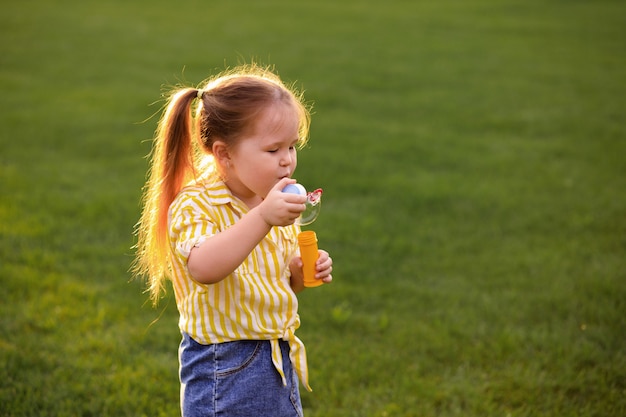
321	261
294	210
283	183
298	201
323	273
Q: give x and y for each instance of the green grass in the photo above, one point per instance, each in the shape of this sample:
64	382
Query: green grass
472	155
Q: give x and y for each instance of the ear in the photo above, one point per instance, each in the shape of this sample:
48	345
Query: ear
221	153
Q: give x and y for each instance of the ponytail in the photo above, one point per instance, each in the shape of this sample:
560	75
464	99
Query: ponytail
172	166
231	102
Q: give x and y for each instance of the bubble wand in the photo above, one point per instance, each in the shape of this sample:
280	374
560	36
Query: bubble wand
307	240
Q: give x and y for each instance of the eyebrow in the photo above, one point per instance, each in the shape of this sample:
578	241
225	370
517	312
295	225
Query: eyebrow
281	143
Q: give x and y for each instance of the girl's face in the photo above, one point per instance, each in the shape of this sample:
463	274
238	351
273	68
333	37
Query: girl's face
264	155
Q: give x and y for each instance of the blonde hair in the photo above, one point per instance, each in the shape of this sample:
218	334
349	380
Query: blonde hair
228	105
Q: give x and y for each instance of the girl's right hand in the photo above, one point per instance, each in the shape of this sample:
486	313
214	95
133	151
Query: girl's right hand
282	209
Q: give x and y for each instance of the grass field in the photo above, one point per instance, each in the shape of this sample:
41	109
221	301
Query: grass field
473	160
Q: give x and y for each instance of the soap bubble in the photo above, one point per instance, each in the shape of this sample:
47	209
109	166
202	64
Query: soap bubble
313	207
313	203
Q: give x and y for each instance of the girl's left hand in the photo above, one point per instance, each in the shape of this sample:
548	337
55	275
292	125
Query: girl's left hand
323	267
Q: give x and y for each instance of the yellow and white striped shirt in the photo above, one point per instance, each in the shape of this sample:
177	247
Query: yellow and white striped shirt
255	302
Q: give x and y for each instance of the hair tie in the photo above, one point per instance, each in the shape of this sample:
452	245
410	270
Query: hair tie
199	95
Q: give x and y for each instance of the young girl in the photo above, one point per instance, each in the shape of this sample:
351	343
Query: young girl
216	222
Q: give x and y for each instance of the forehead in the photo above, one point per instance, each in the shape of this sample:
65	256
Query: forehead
279	121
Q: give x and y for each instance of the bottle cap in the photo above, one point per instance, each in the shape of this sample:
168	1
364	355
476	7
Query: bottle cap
294	189
307	237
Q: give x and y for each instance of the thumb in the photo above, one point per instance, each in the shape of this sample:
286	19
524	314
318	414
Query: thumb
297	262
283	183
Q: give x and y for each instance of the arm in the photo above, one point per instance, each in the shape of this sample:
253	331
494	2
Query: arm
221	254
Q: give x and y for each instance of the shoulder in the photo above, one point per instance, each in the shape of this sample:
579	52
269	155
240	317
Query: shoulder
197	206
202	195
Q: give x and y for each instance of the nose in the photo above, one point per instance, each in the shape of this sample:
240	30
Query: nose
285	159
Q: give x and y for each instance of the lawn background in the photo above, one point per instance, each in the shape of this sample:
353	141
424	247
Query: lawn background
472	155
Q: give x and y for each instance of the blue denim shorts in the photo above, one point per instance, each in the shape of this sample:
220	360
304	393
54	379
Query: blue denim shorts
236	379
